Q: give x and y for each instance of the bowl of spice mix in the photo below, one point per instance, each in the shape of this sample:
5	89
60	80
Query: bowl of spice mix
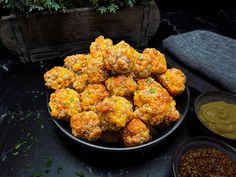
204	156
216	110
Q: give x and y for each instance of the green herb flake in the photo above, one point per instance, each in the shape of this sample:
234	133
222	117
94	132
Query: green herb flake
18	146
140	57
152	90
15	153
49	162
149	79
59	169
29	114
80	174
72	100
37	175
65	102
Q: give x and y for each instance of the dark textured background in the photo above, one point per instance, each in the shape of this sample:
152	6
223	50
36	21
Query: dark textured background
44	150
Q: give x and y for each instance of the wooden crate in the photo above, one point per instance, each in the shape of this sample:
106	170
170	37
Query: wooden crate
51	35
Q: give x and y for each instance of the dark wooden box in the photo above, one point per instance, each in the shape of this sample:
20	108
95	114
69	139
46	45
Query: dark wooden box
51	35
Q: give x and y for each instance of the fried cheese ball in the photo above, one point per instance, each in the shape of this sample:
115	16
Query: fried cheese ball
64	103
136	133
86	125
92	95
173	80
159	65
114	112
80	82
75	62
154	104
58	77
120	58
121	85
142	66
100	46
95	69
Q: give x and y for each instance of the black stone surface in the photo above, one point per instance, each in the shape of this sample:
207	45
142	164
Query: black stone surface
30	144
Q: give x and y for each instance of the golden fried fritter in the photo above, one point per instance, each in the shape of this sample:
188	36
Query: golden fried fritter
92	95
80	82
95	70
159	65
100	46
154	104
114	113
64	103
136	133
75	62
121	85
120	58
58	77
173	80
86	125
142	66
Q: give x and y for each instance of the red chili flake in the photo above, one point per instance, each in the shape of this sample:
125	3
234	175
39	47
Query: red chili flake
207	162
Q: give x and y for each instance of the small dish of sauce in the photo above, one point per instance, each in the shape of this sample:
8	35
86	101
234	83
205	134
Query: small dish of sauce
216	110
220	117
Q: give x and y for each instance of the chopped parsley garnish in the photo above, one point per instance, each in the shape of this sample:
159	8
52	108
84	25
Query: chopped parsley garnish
80	174
152	90
15	153
59	169
18	146
49	162
140	57
149	79
65	102
72	100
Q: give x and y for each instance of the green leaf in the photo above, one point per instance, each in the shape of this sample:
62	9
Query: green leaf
49	162
80	174
152	90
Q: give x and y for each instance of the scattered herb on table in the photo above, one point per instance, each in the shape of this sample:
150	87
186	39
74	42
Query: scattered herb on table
37	175
15	153
49	162
80	174
59	169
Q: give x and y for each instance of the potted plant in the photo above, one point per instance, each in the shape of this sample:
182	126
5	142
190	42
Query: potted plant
45	29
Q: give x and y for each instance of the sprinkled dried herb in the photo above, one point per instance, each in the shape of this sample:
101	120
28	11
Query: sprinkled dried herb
152	90
80	174
206	162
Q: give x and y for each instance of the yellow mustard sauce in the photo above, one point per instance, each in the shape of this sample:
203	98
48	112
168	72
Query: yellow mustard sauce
220	117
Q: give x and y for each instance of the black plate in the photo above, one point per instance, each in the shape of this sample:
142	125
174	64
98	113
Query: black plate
182	104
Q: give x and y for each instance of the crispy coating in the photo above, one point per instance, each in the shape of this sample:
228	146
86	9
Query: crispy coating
58	77
159	65
92	95
80	82
100	46
86	125
142	66
64	103
136	133
154	104
75	62
173	80
95	70
114	113
121	85
120	58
